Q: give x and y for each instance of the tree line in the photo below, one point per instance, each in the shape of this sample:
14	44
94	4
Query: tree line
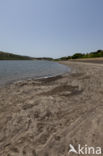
98	53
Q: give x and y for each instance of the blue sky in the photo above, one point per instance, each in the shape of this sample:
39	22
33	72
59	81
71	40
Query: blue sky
51	28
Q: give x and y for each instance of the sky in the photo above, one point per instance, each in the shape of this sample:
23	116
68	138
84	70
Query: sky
51	28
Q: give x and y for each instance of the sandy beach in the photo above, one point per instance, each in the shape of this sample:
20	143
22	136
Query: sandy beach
43	117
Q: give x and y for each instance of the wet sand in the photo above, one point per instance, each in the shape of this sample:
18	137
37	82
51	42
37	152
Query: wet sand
42	117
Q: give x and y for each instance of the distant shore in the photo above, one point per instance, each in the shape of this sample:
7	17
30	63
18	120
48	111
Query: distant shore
42	117
90	60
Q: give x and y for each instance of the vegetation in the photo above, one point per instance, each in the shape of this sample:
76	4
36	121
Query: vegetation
44	58
9	56
98	53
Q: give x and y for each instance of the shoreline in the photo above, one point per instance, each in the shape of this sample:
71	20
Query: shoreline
35	74
42	117
21	80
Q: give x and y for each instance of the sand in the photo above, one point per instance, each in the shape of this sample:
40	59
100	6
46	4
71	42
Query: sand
42	117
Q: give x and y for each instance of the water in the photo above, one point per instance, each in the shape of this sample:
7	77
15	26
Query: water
17	70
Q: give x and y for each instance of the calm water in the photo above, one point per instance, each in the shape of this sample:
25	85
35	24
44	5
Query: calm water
16	70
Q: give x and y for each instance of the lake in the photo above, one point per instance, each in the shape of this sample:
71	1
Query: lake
17	70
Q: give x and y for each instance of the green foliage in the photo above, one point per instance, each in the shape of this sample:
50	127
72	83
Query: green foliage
9	56
63	58
77	55
44	58
98	53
